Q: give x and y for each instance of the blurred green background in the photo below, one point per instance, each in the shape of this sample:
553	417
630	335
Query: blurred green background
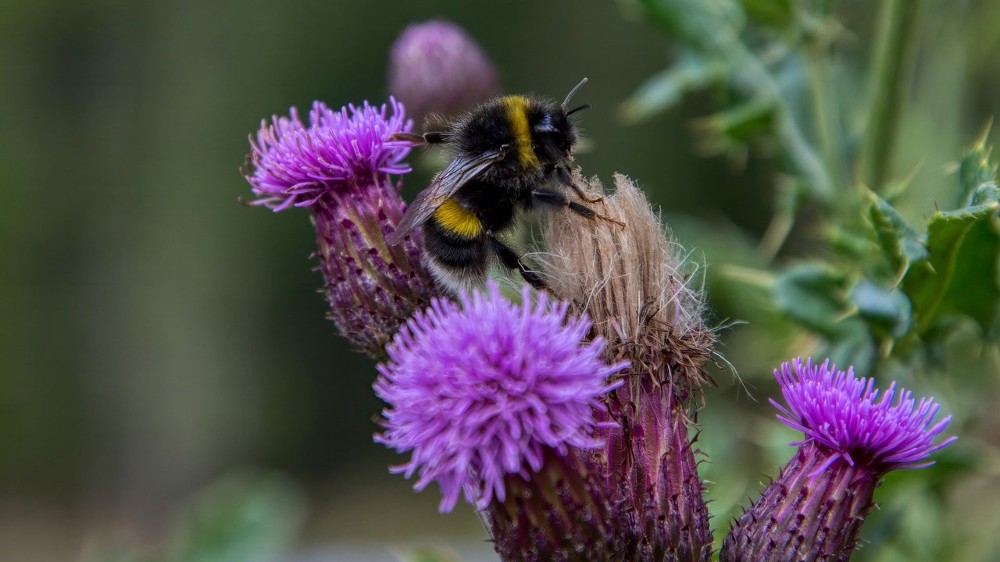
155	334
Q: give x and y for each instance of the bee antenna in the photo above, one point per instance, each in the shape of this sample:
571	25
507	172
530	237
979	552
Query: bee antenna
573	91
575	109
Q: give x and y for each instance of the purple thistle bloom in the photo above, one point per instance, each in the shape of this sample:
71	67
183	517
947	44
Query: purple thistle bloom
844	415
814	510
339	152
341	167
435	67
489	389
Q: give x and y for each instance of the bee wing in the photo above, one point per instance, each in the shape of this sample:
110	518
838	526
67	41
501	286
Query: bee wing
457	173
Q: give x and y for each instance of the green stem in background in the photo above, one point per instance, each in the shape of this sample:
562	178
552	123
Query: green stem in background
824	110
889	77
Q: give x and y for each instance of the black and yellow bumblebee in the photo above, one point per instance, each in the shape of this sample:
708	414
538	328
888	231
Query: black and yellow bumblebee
504	153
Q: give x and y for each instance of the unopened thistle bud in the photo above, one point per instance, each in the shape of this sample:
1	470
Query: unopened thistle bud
497	401
435	67
341	167
634	284
853	438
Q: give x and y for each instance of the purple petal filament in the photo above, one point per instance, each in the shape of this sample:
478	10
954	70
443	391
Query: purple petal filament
484	389
295	164
846	416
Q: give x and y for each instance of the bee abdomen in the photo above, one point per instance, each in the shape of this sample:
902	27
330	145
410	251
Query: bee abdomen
458	262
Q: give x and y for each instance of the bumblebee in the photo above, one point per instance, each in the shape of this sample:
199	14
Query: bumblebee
504	153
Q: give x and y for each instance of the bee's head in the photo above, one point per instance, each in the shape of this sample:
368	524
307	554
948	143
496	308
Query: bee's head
554	135
554	132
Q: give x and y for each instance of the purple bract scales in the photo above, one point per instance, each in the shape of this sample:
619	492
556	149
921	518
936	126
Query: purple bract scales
482	390
846	415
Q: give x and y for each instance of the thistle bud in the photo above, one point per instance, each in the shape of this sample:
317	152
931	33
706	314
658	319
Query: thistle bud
435	67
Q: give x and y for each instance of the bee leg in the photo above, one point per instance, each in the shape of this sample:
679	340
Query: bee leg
433	137
556	199
511	260
564	176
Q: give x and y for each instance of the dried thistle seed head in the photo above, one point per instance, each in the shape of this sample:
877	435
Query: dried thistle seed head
636	284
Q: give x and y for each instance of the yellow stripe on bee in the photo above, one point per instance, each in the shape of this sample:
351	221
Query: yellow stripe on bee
517	115
452	216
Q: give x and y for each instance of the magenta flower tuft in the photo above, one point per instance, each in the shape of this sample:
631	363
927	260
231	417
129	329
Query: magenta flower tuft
489	389
436	67
339	151
815	508
844	414
341	166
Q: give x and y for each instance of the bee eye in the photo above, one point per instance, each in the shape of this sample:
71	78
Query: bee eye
559	139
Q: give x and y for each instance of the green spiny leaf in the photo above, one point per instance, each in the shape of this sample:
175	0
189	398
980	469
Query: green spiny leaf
975	169
900	242
960	276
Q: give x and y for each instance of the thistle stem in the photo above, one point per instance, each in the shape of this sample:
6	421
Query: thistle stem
889	76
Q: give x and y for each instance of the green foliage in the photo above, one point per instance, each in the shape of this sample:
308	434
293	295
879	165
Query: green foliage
866	283
245	517
959	278
901	244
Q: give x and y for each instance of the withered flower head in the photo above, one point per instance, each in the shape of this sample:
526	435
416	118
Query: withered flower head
634	284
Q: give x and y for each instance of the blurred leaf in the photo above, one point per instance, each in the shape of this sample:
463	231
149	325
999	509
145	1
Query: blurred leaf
707	25
777	14
960	275
848	243
974	170
985	194
888	312
900	242
743	122
851	345
429	555
246	517
664	89
812	296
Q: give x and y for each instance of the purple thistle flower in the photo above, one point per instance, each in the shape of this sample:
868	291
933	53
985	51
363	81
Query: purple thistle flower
490	389
341	167
337	153
844	415
435	67
853	437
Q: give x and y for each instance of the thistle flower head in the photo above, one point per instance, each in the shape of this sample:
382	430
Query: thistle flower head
634	282
486	389
435	67
815	508
340	167
845	415
338	151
